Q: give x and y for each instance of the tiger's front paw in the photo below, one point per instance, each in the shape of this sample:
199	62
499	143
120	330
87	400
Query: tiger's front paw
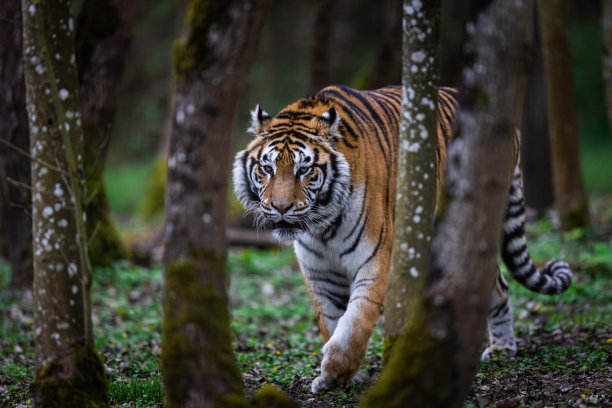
340	365
321	384
509	350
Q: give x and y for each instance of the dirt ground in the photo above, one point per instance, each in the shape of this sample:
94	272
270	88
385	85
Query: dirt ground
496	386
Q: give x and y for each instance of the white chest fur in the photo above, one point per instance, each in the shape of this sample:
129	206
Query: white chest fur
346	251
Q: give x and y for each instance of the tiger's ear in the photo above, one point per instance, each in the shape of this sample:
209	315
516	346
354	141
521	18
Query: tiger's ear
332	119
258	118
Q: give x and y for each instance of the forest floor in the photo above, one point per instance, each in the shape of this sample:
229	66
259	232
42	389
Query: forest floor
565	341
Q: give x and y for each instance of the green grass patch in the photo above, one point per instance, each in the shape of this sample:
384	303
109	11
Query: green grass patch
276	337
126	185
597	166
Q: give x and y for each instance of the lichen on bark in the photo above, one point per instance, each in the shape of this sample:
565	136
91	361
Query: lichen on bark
416	166
68	371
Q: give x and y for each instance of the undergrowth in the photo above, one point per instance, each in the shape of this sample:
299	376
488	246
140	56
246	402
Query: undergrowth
277	340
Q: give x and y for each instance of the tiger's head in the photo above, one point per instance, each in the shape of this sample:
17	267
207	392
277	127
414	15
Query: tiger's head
291	176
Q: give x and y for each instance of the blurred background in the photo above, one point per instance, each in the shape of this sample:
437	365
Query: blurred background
364	46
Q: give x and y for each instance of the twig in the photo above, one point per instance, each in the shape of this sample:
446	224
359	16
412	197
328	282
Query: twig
29	156
18	184
90	198
94	233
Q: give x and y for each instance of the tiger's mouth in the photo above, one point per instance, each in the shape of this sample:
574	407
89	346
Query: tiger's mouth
285	225
283	230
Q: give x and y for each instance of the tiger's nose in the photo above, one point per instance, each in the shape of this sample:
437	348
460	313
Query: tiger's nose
282	206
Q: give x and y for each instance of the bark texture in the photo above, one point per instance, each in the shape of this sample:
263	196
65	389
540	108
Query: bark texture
68	371
15	200
435	361
567	175
416	167
607	62
320	49
210	63
103	40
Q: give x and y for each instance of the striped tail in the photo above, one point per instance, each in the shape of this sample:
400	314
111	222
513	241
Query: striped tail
556	276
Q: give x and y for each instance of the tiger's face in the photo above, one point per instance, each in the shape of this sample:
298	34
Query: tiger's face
291	176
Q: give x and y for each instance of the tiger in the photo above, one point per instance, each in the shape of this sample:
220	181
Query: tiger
322	173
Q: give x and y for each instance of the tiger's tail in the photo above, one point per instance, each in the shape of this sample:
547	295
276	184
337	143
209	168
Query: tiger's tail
556	276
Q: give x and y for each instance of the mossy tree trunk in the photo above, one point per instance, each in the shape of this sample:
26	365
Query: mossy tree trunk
606	21
416	169
569	192
434	363
211	61
103	39
69	373
319	62
15	201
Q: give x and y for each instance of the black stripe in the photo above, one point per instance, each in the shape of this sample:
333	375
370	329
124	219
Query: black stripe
357	238
338	300
362	282
313	251
363	205
380	237
368	299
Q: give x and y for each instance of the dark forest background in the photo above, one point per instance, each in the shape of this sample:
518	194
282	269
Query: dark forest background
360	31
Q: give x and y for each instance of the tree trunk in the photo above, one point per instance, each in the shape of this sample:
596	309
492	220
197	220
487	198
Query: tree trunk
69	373
210	63
607	66
567	175
318	77
14	201
103	39
535	142
387	66
438	354
416	168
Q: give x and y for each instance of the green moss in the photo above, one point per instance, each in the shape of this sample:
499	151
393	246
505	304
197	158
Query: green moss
196	342
415	373
86	385
270	397
191	53
153	202
578	217
389	345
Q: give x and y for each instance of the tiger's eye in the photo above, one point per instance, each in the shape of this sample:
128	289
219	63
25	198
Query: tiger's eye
303	170
268	169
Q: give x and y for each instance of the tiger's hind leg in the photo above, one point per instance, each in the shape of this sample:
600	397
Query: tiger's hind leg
500	320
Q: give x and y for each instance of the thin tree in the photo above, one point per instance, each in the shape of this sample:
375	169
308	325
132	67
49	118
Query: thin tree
606	21
416	168
434	363
15	197
104	30
319	64
569	192
69	373
210	61
535	141
386	68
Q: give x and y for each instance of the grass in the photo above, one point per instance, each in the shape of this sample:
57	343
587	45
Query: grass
277	340
132	178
